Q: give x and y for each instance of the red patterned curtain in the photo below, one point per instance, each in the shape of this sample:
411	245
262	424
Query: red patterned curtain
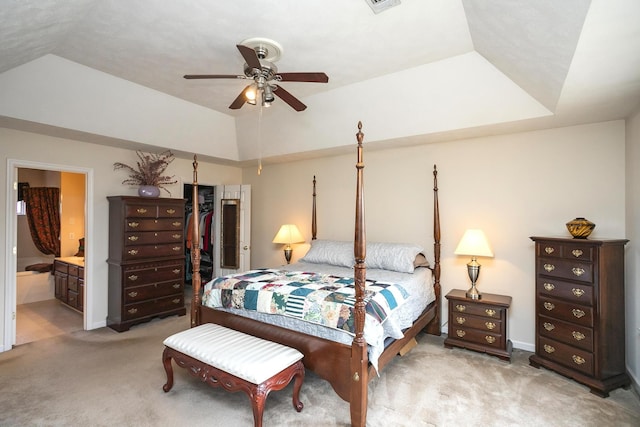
43	215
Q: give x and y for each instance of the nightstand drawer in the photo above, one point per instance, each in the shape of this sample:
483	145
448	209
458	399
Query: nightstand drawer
481	323
478	310
484	338
566	355
569	333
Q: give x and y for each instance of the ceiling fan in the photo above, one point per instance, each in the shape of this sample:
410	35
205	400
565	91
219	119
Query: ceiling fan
260	55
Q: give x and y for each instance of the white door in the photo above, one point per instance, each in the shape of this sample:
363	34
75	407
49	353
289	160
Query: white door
231	194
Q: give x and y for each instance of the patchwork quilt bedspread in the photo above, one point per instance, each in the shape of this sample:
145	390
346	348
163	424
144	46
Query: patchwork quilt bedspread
318	298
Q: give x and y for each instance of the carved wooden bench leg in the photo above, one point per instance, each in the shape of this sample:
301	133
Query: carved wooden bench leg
168	368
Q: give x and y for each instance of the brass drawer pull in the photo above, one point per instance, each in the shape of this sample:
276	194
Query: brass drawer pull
490	339
460	320
578	360
578	271
133	277
490	325
578	313
549	306
490	312
132	238
461	307
578	336
176	271
176	285
132	311
177	248
134	224
577	253
549	250
132	252
176	223
549	349
141	210
176	300
460	333
549	267
549	326
549	287
577	292
133	294
176	236
171	211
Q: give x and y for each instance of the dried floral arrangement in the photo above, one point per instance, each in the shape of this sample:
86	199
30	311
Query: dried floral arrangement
149	170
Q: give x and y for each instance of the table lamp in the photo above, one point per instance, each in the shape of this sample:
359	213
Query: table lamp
287	235
474	243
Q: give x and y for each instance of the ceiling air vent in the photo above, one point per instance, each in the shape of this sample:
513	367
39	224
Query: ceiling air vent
380	5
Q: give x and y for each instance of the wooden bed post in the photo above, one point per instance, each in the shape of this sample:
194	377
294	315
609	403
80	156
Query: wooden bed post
314	224
196	280
434	326
359	357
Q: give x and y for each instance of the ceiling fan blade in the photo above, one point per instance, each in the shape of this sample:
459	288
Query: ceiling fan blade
304	77
288	98
250	56
213	76
240	100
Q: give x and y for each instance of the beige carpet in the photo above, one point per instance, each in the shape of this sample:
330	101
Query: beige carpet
103	378
44	319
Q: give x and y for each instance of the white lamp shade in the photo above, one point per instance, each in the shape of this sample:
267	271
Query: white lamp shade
288	234
474	243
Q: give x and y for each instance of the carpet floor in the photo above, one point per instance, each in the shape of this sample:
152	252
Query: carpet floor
105	378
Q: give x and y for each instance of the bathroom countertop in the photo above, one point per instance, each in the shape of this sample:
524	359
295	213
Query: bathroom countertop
76	260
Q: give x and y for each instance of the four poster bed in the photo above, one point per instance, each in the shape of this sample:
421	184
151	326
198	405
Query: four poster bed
340	353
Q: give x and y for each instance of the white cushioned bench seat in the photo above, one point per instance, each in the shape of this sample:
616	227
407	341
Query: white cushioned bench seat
245	356
223	357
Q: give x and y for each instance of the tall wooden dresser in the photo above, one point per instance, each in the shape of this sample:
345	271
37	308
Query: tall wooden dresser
146	260
580	311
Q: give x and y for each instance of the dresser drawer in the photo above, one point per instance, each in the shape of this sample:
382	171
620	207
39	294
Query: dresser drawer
138	210
475	322
574	358
153	237
152	307
578	336
156	290
574	270
149	273
562	310
555	288
565	250
73	270
478	310
136	224
60	267
484	338
153	251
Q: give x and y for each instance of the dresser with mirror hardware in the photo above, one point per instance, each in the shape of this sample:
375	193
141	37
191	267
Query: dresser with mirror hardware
580	324
146	260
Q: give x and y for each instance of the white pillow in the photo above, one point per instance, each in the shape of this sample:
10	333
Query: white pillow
386	256
392	256
330	252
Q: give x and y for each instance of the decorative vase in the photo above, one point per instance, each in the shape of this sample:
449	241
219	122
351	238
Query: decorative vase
580	228
148	191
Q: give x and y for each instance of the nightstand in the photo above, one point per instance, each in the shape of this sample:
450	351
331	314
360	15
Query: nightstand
479	325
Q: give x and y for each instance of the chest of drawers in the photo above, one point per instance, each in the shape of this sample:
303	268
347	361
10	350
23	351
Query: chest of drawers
146	260
479	325
580	311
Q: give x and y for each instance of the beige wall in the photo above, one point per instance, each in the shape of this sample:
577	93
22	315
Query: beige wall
632	289
72	195
512	186
98	160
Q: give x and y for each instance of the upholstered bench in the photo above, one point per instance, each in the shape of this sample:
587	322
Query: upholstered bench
223	357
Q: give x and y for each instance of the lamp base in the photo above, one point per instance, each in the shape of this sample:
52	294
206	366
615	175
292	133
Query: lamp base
473	293
287	254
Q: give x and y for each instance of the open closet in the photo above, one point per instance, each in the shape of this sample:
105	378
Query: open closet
206	202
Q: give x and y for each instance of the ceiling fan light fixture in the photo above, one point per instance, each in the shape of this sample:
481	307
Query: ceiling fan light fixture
251	94
267	95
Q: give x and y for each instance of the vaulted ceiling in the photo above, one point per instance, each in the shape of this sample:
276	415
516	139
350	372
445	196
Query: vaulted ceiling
110	71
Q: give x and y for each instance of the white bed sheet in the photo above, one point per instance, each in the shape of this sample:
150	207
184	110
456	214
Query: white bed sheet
418	284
